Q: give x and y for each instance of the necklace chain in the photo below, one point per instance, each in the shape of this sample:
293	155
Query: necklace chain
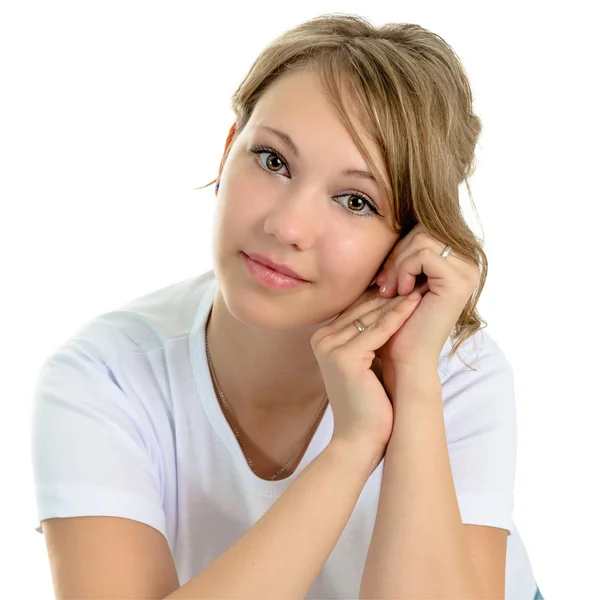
234	428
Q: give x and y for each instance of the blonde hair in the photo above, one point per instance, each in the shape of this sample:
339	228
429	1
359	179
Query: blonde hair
416	105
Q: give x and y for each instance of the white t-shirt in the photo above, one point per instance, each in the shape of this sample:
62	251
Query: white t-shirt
126	423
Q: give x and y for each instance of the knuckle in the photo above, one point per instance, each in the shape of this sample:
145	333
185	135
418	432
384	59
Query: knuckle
321	344
374	299
369	306
318	345
422	236
380	311
381	323
316	339
327	347
338	355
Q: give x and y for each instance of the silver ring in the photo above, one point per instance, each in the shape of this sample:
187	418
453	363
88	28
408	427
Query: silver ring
446	251
359	325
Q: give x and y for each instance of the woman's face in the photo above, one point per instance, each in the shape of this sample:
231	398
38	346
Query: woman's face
333	229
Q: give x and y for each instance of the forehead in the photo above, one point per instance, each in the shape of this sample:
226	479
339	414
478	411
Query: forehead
296	104
298	93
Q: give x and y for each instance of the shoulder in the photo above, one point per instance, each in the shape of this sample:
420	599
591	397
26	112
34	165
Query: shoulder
480	352
139	325
480	394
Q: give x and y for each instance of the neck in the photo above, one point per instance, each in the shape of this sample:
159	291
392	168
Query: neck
263	371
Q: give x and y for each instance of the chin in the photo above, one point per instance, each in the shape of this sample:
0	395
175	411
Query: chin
257	306
263	307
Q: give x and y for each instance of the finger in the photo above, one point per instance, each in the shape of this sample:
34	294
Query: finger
391	280
426	260
416	266
354	311
381	323
410	243
383	276
376	335
414	271
397	280
395	255
364	304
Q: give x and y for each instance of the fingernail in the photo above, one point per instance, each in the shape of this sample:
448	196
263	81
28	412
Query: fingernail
381	280
382	289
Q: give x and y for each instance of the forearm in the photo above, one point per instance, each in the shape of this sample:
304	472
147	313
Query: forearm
282	554
418	549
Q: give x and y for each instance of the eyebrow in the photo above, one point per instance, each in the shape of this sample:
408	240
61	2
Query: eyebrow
289	142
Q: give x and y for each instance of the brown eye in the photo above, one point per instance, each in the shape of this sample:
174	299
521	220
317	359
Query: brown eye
355	198
364	203
274	161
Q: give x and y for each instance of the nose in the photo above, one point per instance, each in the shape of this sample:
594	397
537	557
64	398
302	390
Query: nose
295	218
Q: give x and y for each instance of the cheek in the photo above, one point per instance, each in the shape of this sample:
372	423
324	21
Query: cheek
237	211
351	260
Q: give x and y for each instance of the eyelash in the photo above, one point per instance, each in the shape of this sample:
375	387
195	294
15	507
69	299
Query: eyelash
266	149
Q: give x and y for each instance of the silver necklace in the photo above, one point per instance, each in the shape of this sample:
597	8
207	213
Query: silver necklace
237	435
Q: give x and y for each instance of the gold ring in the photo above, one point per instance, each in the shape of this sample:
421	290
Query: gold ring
359	325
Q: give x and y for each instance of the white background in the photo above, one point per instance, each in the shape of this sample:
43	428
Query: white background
112	112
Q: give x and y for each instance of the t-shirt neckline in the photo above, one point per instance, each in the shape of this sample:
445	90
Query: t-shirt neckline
207	397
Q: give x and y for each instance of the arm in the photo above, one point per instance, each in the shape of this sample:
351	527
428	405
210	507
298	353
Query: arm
418	548
282	554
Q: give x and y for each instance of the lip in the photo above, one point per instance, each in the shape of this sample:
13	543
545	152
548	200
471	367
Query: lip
274	265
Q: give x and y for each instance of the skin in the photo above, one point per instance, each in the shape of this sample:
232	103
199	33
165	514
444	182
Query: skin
300	214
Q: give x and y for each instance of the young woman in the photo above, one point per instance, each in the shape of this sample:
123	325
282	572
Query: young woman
281	427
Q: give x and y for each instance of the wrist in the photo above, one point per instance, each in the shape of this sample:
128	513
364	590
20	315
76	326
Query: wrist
361	456
417	376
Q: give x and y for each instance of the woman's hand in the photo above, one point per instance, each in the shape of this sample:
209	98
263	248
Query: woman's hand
362	410
450	283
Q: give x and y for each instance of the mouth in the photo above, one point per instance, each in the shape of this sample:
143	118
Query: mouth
275	266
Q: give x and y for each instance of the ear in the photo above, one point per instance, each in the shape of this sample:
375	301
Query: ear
227	148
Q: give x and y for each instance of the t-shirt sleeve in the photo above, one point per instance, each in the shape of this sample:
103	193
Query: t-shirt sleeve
481	432
93	452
